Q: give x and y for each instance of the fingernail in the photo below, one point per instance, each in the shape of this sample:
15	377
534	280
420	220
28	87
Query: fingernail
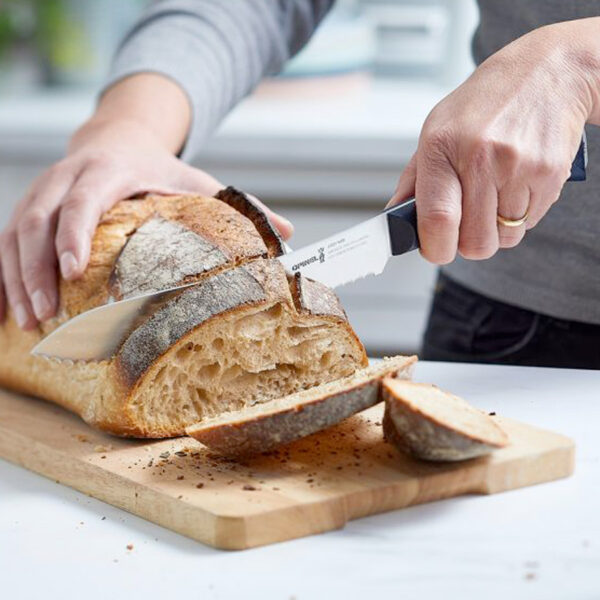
21	316
68	264
41	304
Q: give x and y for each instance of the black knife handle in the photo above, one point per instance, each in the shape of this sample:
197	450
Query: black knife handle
579	162
402	225
402	218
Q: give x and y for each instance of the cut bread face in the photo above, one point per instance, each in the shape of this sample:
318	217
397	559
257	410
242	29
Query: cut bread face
263	427
246	333
232	341
431	424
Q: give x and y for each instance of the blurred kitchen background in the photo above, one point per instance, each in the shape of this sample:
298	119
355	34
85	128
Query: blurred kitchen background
323	143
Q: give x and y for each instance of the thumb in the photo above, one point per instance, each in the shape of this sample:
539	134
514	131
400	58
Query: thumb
200	181
195	180
285	227
406	184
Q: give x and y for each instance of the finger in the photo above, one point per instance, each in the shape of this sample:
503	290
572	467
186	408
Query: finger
37	260
438	202
15	291
92	194
540	203
543	196
200	181
35	237
514	202
406	184
478	235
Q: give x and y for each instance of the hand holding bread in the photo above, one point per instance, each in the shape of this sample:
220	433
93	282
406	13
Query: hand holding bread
126	149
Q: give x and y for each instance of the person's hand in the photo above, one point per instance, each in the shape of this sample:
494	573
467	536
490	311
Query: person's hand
53	225
503	142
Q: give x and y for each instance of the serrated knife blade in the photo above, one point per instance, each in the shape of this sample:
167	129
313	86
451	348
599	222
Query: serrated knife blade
339	259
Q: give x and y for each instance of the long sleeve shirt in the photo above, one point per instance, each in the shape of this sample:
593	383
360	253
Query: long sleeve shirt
218	50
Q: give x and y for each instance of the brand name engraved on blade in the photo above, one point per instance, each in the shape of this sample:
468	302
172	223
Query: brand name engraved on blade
304	263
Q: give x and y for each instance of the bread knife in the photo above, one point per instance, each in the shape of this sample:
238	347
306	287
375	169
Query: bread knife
334	261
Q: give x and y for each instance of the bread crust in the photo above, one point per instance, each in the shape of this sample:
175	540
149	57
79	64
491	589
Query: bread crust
313	410
242	203
102	393
315	298
191	308
429	438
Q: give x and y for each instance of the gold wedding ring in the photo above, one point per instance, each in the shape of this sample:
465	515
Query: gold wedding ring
513	222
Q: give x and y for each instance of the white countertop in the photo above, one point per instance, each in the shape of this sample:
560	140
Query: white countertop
538	542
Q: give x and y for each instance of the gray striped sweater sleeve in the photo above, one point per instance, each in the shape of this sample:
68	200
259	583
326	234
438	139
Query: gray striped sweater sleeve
216	50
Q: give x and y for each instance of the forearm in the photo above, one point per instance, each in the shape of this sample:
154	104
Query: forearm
216	51
145	107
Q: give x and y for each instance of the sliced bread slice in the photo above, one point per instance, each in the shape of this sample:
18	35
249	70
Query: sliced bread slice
431	424
264	426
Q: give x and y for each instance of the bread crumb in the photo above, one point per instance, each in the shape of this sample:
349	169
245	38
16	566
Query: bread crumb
129	546
530	576
102	448
81	437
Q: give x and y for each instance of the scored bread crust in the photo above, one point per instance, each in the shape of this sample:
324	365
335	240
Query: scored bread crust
427	436
148	389
263	427
243	204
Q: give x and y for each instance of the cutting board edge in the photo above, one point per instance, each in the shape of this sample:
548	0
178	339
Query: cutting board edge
139	502
248	531
235	532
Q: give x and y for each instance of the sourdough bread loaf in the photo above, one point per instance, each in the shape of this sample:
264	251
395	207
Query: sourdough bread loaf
263	427
245	334
431	424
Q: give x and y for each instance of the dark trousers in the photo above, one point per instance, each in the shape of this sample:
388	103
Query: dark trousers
465	326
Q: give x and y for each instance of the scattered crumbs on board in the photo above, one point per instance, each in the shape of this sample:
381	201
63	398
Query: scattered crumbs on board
102	448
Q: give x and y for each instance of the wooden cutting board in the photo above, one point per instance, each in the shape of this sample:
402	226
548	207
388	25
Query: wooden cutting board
314	485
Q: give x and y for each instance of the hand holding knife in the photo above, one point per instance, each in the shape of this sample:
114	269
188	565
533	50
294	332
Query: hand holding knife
361	250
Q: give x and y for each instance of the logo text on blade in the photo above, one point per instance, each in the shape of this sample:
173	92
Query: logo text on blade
304	263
